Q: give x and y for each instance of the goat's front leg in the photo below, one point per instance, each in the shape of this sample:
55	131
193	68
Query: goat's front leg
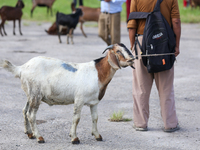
59	32
27	130
13	27
68	38
20	27
0	30
76	119
31	114
93	109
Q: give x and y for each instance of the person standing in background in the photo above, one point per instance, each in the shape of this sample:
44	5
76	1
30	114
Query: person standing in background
109	24
128	3
80	2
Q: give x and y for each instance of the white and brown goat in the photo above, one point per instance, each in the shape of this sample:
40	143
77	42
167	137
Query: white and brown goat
57	82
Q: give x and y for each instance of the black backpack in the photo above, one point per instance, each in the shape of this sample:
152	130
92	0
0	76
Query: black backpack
158	39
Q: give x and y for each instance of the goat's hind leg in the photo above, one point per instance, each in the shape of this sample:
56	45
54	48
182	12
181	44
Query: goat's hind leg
59	32
93	109
71	36
76	119
34	103
27	130
81	27
2	26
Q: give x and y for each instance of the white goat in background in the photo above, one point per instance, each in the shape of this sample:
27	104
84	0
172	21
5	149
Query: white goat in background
57	82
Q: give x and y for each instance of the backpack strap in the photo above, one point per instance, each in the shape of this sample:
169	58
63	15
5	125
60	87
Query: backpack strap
135	45
157	7
143	15
137	15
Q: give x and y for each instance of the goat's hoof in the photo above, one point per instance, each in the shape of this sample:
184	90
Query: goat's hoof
76	141
31	136
99	138
41	140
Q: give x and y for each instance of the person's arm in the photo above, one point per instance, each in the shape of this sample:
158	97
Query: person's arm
176	23
132	33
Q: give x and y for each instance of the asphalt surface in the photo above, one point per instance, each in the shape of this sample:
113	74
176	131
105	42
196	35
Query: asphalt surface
54	122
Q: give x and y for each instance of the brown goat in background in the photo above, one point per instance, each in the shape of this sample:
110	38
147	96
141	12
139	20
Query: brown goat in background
42	3
195	3
11	13
89	14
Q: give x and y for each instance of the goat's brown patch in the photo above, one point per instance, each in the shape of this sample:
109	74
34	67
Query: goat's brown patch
104	71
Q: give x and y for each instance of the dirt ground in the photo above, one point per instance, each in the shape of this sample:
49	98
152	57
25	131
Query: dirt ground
54	122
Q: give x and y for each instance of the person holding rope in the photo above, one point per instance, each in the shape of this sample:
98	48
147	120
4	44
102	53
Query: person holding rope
142	80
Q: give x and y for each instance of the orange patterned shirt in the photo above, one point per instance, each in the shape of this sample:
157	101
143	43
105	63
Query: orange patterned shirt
168	8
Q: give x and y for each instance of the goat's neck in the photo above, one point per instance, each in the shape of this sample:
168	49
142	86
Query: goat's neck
105	71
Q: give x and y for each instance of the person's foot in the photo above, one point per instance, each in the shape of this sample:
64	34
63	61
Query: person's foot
140	129
171	129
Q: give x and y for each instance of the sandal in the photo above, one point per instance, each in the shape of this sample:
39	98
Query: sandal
140	129
171	129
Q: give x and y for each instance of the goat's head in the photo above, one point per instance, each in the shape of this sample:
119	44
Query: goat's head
20	4
119	56
79	12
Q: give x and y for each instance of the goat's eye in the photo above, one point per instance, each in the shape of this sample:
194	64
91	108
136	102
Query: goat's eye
119	52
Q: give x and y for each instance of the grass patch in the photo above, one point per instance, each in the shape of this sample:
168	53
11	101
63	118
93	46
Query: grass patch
118	116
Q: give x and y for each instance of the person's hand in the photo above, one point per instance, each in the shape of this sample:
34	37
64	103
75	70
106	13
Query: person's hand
176	51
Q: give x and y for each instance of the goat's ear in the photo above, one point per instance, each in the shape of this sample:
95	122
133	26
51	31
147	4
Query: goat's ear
113	60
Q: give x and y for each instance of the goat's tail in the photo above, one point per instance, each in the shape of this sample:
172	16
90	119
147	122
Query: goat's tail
10	67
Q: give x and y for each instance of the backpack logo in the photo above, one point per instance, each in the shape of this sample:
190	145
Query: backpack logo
157	36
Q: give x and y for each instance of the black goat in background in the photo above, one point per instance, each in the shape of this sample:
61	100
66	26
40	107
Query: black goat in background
69	21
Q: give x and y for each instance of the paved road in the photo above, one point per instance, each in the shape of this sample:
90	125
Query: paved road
54	122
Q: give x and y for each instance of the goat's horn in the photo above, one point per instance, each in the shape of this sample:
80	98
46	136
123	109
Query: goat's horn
130	59
132	67
109	47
